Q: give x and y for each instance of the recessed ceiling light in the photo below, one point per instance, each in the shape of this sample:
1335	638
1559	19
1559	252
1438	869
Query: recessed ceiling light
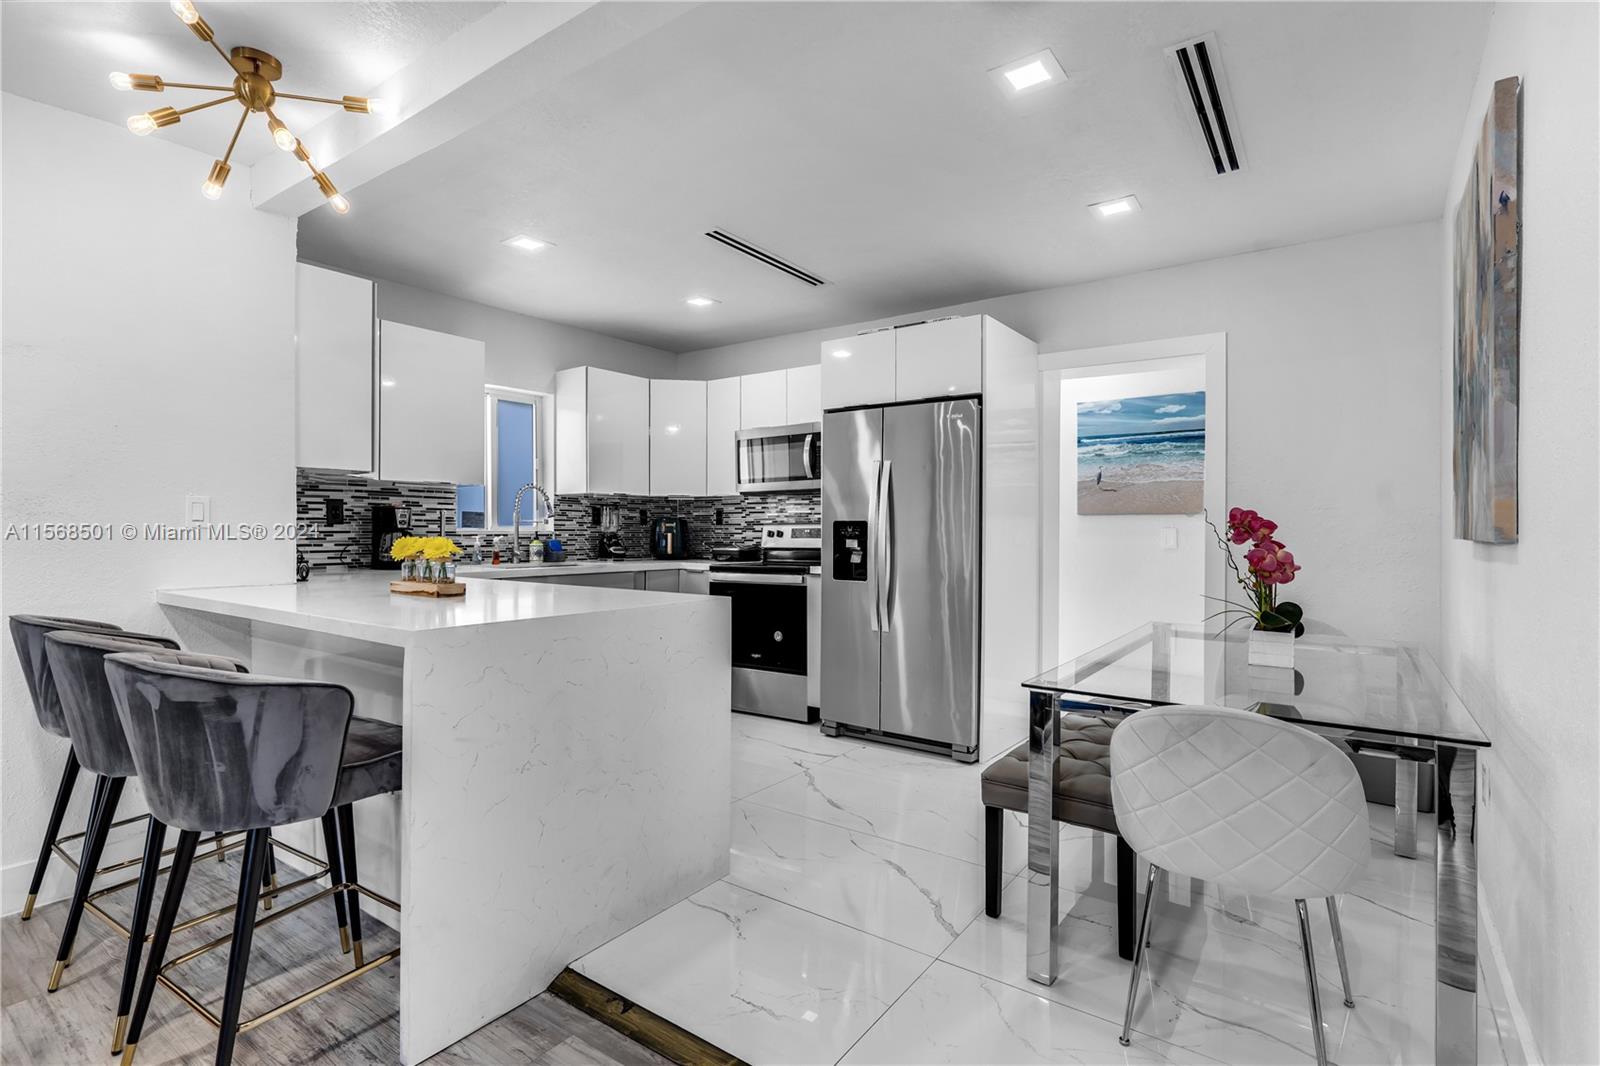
1029	73
1123	205
699	301
524	243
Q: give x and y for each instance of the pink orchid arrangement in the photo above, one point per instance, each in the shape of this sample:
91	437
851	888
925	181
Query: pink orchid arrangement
1269	565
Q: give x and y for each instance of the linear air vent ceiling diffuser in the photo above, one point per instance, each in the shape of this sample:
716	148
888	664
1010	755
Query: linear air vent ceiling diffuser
767	258
1204	95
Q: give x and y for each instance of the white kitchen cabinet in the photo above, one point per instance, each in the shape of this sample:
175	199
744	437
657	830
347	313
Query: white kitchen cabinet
722	423
942	358
858	370
430	405
333	315
677	438
696	582
803	393
602	432
764	400
661	580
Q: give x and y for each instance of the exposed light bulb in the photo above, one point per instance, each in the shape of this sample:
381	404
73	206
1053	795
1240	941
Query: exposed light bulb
121	81
186	11
339	203
143	125
281	135
377	105
212	189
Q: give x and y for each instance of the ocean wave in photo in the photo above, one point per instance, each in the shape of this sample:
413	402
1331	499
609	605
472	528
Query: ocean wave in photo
1143	457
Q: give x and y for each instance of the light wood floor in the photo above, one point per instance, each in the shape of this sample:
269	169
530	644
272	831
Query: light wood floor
357	1023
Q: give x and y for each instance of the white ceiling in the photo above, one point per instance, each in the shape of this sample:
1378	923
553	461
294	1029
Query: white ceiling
60	54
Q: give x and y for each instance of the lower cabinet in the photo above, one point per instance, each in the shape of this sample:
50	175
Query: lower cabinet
622	579
695	581
661	580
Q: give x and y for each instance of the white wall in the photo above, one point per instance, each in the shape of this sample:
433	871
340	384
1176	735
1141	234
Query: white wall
1114	574
1333	385
520	351
1519	621
148	346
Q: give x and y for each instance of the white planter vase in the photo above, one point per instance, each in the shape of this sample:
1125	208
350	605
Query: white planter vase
1271	649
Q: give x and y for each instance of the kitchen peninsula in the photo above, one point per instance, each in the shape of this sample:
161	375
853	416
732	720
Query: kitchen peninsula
566	767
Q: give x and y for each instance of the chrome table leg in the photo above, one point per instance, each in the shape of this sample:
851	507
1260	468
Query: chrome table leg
1405	808
1044	745
1455	1010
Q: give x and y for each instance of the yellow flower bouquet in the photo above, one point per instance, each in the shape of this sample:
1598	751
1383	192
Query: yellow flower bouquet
425	558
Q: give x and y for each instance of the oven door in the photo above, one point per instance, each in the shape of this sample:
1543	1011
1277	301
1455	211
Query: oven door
780	458
769	642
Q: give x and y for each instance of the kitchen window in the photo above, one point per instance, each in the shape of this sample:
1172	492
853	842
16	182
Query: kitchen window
514	434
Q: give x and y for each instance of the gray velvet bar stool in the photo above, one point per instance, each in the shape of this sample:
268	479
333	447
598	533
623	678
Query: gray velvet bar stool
27	633
221	751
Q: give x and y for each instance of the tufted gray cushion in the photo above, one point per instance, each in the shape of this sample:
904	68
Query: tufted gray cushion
76	660
219	751
27	633
1083	776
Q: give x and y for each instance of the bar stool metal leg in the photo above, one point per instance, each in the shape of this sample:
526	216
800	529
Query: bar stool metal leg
330	840
1338	949
269	875
94	843
1139	946
347	845
155	840
244	927
1318	1039
182	857
69	777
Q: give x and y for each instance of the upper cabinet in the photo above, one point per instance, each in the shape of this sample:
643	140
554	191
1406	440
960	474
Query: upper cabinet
919	362
430	406
678	438
804	394
602	432
333	370
857	371
763	399
943	358
722	423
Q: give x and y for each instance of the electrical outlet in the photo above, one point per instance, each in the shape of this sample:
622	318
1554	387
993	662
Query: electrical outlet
644	517
333	512
720	520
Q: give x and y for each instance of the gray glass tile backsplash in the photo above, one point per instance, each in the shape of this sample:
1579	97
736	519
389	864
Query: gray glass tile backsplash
431	509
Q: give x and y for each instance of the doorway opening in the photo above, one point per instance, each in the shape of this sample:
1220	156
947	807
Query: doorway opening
1134	447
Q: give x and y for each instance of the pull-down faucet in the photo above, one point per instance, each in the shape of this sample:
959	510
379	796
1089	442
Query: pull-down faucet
516	517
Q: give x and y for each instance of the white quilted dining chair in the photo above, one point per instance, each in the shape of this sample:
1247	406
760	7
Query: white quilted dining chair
1246	802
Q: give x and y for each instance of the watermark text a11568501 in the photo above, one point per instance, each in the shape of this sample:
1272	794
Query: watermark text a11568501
161	532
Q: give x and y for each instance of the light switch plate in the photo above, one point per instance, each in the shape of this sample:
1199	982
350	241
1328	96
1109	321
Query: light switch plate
197	509
1169	538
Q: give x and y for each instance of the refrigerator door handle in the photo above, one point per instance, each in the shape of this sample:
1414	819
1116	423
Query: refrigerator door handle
874	548
886	541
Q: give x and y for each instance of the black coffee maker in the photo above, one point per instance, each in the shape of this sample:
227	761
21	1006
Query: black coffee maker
386	529
669	538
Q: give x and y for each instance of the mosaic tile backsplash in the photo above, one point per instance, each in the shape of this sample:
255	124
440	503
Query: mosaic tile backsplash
432	511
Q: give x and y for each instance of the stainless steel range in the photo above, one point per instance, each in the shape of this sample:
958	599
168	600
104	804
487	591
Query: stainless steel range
777	620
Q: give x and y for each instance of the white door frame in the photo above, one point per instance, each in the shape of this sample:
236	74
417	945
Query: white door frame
1054	367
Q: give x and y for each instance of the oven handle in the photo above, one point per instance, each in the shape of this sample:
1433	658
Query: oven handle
805	456
757	579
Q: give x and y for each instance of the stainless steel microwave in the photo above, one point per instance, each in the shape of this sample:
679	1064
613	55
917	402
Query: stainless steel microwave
780	458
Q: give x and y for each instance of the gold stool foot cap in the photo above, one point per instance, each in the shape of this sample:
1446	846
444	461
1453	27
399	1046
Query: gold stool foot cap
127	1055
55	976
120	1034
27	908
344	940
355	949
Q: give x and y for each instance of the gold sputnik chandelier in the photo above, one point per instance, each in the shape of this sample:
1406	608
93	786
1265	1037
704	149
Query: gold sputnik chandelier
254	71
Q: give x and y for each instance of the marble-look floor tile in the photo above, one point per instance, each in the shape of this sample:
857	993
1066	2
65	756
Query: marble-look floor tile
917	898
951	1015
1226	976
769	750
936	811
765	981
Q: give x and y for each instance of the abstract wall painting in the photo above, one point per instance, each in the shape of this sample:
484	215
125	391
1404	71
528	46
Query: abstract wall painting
1488	246
1142	454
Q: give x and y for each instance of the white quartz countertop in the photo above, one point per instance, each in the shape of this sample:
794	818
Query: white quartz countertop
586	566
361	606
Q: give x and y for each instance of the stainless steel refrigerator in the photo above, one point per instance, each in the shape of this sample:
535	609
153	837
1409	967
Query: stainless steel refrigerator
902	491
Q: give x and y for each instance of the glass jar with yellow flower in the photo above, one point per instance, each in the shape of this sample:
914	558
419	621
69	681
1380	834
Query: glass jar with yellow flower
438	556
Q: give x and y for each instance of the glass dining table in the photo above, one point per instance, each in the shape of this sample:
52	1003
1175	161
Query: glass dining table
1379	697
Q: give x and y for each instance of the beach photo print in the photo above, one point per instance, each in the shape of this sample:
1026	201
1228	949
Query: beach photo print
1142	454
